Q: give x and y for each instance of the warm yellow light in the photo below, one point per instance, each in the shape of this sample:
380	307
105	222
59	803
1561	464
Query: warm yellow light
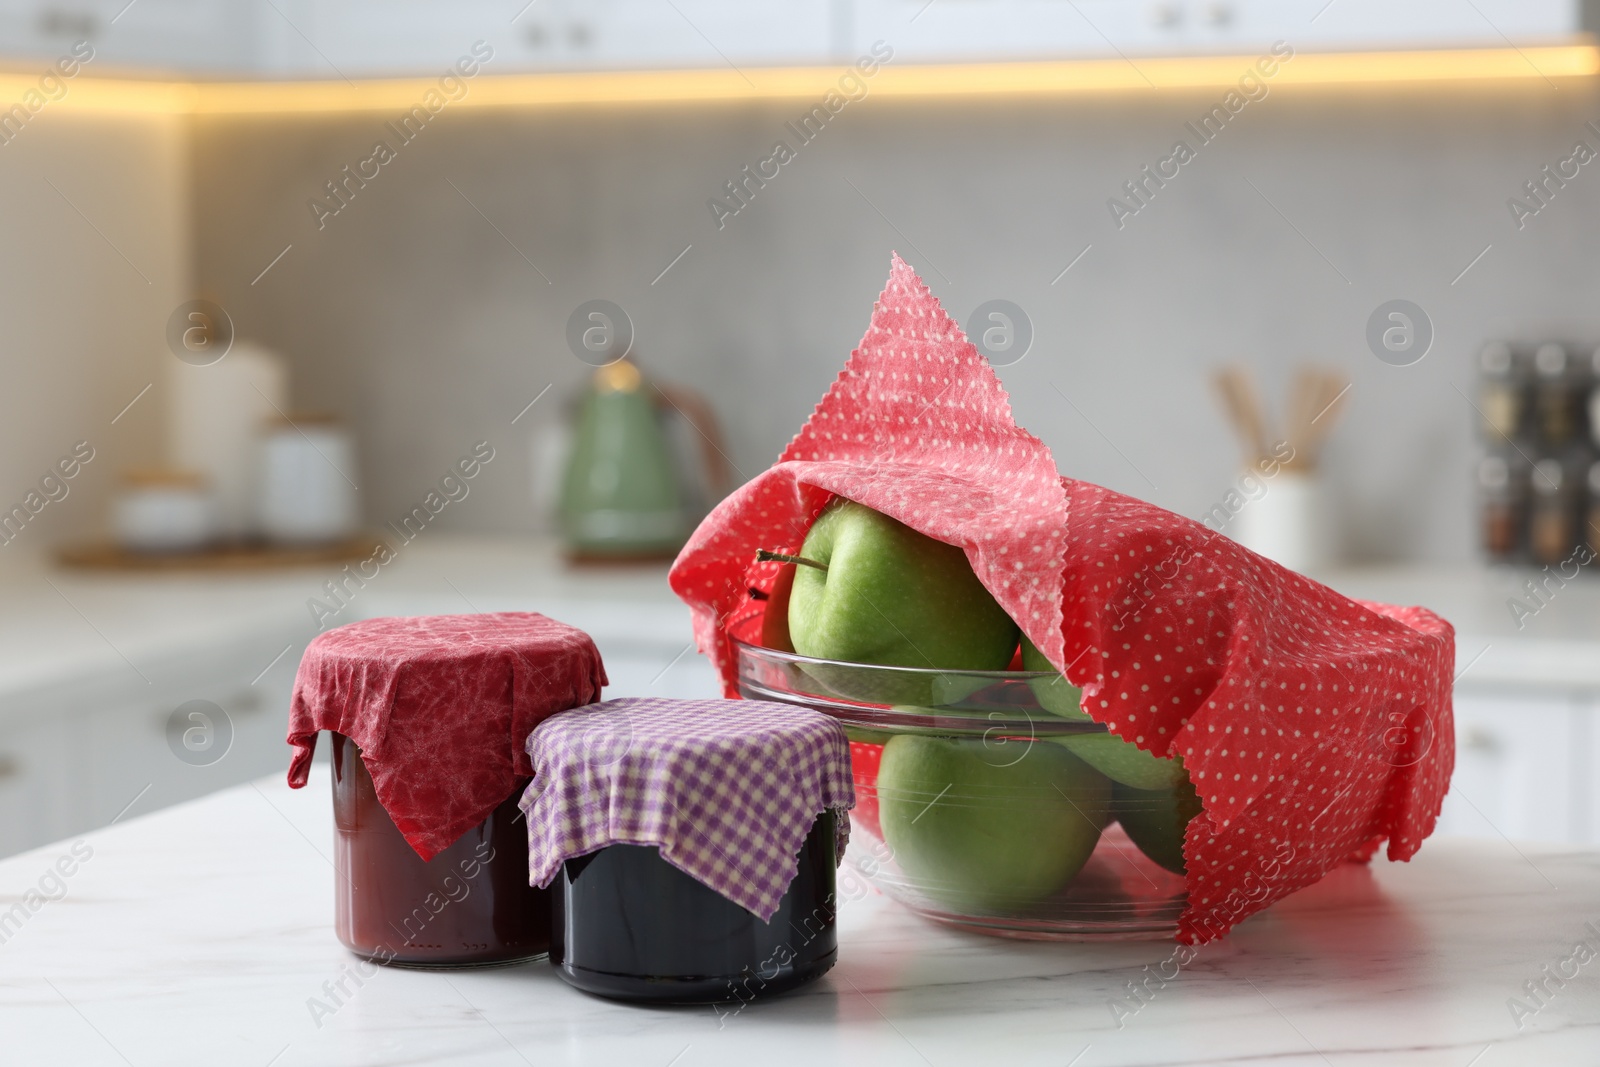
1057	78
85	93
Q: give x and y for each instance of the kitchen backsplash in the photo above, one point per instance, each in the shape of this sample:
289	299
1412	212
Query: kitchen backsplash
433	306
96	255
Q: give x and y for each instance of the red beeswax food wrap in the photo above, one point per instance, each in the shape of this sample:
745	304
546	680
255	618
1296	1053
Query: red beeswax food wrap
1312	725
441	707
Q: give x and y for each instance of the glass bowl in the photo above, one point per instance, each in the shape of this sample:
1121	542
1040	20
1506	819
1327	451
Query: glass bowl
981	802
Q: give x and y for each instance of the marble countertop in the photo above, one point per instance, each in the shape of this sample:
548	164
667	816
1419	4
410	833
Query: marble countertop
200	935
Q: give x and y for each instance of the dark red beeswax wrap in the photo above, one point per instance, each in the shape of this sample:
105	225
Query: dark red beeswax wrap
1313	725
441	707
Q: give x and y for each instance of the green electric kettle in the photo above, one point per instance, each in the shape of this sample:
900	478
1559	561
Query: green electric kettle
622	497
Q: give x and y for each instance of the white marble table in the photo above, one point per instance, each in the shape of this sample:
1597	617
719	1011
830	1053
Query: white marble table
199	934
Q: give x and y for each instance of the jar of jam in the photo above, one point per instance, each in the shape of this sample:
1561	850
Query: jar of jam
692	846
630	926
429	718
469	905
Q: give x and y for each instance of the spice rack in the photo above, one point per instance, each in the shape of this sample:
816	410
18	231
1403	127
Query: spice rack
1539	475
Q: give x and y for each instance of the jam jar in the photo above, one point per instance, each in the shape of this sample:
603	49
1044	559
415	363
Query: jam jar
631	926
469	905
428	717
692	846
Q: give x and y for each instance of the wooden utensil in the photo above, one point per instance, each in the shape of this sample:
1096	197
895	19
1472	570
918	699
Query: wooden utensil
1243	405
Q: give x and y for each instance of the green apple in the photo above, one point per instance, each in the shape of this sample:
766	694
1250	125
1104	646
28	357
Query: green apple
1156	819
1055	695
888	595
1121	761
1124	762
980	829
871	590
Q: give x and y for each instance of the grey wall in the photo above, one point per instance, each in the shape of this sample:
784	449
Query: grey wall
411	316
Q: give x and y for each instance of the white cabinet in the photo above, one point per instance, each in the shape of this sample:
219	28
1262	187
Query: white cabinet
1524	769
622	34
235	733
946	30
77	754
1586	784
37	797
355	38
161	35
77	751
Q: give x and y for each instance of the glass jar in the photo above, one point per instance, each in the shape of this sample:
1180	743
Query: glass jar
1591	531
1555	401
1502	521
631	926
1551	522
1594	398
1500	393
470	905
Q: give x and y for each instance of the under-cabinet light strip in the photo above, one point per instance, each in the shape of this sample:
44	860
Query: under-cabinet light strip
1044	79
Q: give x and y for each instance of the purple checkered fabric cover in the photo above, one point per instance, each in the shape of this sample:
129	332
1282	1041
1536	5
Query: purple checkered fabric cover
727	789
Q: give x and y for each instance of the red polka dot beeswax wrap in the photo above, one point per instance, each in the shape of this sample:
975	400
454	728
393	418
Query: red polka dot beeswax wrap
441	707
1313	726
916	426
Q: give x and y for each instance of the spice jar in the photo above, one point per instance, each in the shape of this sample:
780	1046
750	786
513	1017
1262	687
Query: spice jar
1500	393
1498	504
1591	531
692	845
429	716
1555	400
1594	398
1551	525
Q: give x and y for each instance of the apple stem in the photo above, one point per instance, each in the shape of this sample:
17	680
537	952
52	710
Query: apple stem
778	557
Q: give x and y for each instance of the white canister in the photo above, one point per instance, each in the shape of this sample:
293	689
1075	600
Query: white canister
214	412
1288	522
164	511
307	481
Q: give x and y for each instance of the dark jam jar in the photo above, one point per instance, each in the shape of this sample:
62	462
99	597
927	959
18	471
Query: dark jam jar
468	906
631	926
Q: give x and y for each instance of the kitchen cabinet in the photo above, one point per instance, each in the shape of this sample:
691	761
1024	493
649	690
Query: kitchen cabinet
357	38
72	760
159	35
36	786
1520	768
79	753
238	729
88	735
951	30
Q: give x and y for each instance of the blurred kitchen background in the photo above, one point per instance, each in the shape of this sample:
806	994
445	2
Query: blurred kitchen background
393	316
